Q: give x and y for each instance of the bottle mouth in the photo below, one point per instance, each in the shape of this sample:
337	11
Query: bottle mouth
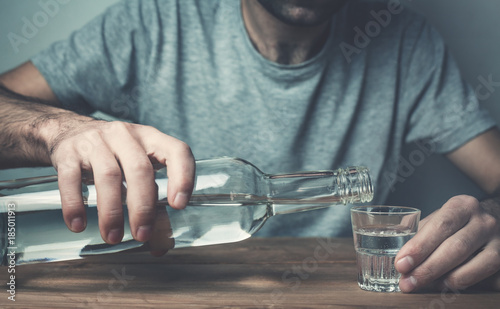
355	185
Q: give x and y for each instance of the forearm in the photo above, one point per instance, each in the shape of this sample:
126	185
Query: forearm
37	132
27	127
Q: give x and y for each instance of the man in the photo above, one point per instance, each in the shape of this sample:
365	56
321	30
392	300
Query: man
289	85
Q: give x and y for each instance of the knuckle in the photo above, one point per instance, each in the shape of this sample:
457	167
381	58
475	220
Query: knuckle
473	207
92	135
466	202
445	226
63	148
493	258
112	214
72	204
183	148
424	274
459	282
462	246
489	222
141	168
67	168
87	143
119	126
111	172
143	211
147	130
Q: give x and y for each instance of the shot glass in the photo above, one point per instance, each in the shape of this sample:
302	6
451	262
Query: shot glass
379	232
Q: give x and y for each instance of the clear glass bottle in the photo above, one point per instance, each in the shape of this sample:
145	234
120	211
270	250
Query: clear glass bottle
232	199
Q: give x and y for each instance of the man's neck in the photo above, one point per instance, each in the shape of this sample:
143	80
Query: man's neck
278	41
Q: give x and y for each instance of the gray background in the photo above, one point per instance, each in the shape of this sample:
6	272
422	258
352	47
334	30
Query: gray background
469	27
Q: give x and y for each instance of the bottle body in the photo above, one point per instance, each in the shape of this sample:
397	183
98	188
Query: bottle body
42	236
232	199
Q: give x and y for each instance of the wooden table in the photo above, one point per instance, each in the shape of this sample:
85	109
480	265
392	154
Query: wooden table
256	273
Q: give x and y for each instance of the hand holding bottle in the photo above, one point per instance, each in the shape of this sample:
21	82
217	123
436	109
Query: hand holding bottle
113	151
232	200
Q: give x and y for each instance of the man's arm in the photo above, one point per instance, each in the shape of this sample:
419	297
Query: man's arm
27	80
36	131
458	245
20	142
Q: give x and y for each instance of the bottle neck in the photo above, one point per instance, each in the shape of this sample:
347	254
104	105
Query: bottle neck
289	193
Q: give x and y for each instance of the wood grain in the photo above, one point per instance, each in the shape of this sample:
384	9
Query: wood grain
256	273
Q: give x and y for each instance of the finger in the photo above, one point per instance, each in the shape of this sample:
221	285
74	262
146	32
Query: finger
178	158
424	221
451	218
492	283
70	188
108	182
450	254
180	172
483	265
141	186
162	240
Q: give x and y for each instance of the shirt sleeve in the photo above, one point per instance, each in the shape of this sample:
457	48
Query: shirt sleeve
444	108
99	66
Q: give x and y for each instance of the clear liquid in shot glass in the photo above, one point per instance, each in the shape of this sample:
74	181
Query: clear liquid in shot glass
376	250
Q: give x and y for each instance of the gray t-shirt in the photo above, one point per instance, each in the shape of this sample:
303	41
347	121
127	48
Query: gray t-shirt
188	68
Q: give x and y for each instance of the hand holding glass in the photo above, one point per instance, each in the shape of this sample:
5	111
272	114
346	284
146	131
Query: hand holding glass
379	232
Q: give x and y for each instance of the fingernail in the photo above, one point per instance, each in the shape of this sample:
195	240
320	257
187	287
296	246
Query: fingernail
144	232
408	284
181	200
405	264
77	224
114	235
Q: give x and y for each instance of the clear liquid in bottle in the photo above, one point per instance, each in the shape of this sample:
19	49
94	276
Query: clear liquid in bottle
232	199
